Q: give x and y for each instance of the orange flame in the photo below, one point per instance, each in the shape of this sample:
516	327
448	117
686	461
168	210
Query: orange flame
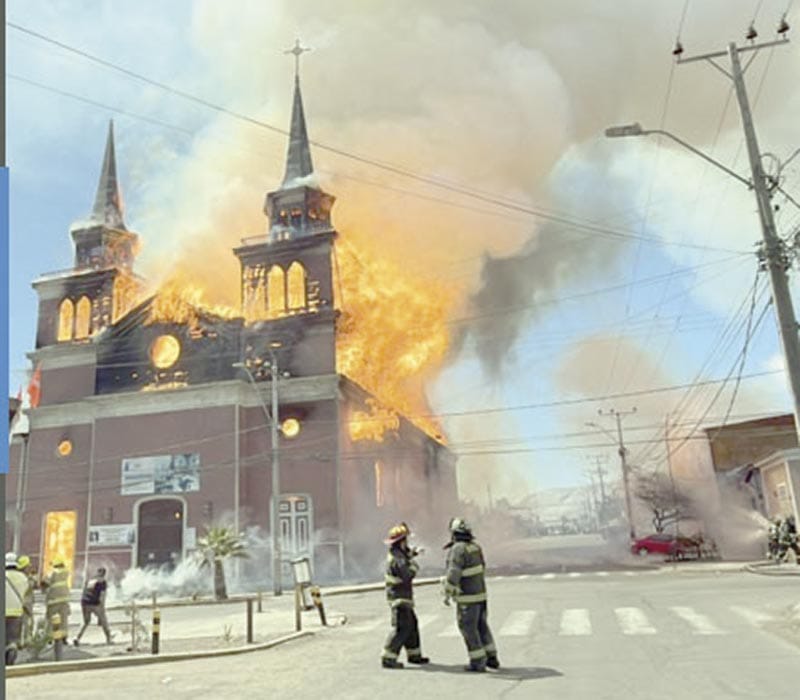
392	335
180	301
373	424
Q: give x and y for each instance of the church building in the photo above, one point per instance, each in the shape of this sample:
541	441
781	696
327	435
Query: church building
153	419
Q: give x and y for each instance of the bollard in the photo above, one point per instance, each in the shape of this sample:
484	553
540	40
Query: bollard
298	624
259	601
156	636
58	636
249	620
316	596
133	626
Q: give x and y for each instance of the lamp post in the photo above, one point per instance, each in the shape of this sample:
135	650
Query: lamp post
773	248
272	418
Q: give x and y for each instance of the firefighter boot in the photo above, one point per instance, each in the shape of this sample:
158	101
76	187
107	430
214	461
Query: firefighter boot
391	663
418	659
476	666
493	662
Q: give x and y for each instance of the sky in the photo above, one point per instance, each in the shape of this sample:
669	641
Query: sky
587	273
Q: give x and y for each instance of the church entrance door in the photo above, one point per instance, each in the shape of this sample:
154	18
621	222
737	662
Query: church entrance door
160	532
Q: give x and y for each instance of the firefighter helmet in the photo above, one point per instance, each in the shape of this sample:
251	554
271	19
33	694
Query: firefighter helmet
459	526
11	560
58	562
23	562
397	533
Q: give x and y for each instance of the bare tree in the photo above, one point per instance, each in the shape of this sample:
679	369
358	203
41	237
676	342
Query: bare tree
667	503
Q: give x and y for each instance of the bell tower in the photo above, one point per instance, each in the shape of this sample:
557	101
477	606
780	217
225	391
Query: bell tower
288	271
75	304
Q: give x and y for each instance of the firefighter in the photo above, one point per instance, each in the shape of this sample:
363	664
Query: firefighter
787	537
24	565
16	593
401	568
464	582
56	587
773	538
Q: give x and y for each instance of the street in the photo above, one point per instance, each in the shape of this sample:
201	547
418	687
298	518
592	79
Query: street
608	634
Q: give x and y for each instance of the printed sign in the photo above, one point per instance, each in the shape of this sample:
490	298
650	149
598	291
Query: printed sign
160	474
111	535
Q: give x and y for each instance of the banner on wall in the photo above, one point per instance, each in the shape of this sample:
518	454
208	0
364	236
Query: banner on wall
161	474
111	535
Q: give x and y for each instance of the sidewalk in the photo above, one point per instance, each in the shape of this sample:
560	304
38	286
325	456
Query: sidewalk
185	626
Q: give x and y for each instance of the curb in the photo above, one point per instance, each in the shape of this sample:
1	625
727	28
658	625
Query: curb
771	569
141	660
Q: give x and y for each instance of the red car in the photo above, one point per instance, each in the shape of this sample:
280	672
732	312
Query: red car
664	543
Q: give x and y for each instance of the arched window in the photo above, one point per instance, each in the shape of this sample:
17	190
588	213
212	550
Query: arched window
296	285
119	300
83	317
66	315
276	291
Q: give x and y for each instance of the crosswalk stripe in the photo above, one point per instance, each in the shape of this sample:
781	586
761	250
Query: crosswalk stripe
574	574
700	623
601	573
754	617
518	624
633	621
522	577
548	575
575	622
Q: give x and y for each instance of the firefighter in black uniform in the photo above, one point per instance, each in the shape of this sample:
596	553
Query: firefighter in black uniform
464	582
400	571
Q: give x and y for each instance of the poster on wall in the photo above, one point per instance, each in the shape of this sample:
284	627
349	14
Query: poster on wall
160	474
111	535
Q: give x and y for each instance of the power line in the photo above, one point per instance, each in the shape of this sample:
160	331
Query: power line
397	170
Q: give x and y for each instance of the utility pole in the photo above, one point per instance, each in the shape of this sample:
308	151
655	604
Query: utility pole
773	250
623	452
277	566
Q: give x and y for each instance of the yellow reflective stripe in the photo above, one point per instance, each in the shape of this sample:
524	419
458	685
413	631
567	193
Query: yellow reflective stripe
389	654
477	654
472	570
471	598
490	649
402	601
472	548
392	579
14	612
413	652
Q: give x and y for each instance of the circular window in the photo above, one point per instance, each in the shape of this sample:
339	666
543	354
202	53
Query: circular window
165	351
290	427
64	448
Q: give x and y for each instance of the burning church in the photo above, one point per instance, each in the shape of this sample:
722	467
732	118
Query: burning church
154	417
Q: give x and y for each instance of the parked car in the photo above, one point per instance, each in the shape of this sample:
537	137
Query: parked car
664	543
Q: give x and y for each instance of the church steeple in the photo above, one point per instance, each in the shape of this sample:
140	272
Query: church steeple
299	208
298	156
107	208
102	240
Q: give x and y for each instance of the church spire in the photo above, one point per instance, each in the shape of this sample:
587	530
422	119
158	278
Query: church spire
298	157
107	208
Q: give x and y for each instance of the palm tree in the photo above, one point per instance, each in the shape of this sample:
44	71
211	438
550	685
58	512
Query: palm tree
218	544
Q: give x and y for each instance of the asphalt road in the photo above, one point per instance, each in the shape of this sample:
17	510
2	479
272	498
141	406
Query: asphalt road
635	635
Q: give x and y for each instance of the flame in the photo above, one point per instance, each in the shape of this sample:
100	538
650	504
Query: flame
373	424
180	301
392	335
59	538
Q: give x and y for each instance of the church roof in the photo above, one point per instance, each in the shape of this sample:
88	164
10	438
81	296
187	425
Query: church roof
298	157
107	208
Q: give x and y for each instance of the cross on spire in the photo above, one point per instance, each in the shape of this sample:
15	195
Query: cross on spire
297	51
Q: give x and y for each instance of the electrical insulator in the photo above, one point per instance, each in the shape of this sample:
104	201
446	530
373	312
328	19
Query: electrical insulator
783	27
751	33
678	50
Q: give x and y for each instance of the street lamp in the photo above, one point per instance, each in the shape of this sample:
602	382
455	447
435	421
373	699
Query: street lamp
272	418
773	248
635	129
